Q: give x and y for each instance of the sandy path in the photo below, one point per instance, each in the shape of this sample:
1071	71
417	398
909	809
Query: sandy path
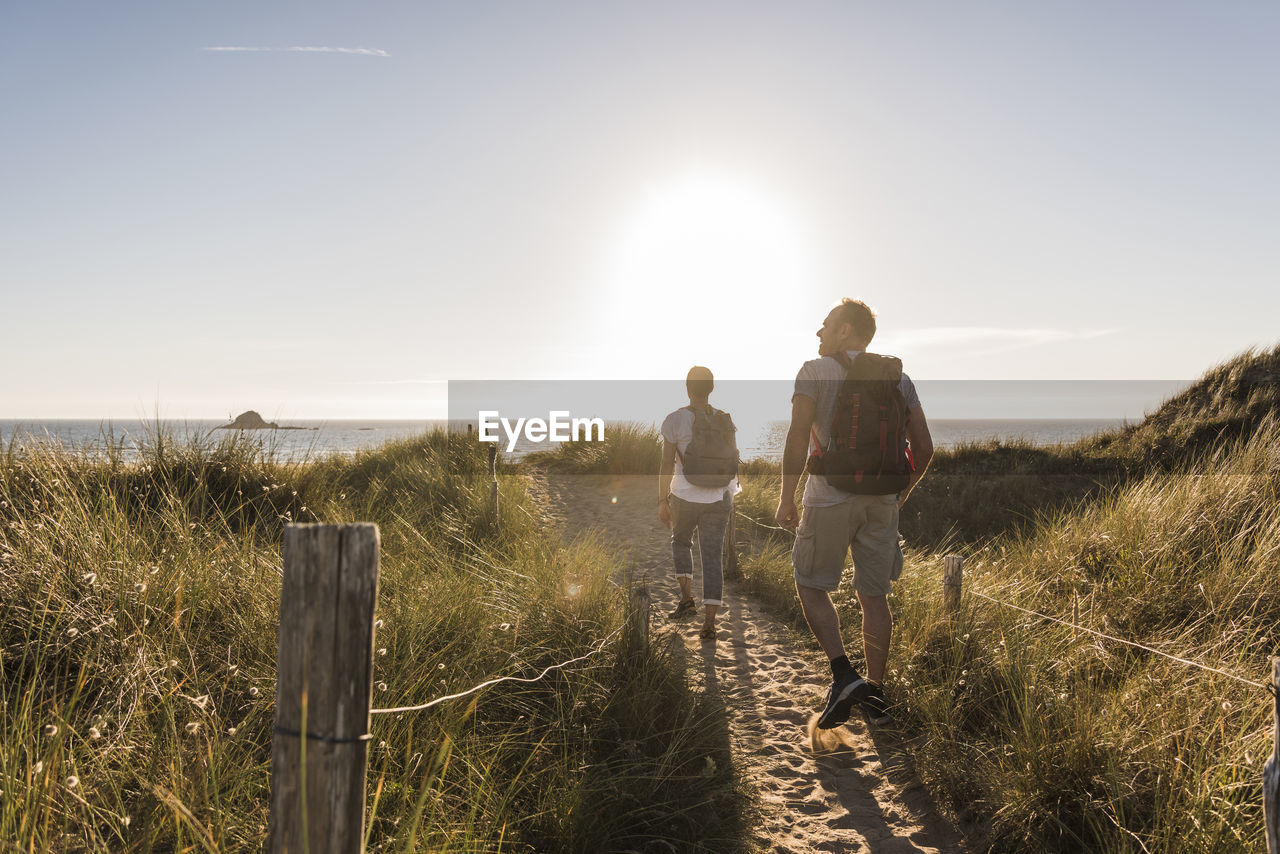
847	790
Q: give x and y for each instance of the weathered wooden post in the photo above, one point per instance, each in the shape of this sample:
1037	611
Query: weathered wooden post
493	481
730	551
1271	771
952	570
640	602
324	684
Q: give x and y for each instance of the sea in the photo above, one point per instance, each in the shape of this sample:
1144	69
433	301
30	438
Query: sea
315	439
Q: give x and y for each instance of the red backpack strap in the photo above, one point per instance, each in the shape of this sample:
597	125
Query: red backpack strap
816	443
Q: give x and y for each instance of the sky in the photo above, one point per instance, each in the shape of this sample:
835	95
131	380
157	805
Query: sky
331	210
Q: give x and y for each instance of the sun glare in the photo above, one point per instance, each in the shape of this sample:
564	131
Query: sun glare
710	256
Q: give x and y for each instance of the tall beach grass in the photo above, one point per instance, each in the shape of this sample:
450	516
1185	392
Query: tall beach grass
138	606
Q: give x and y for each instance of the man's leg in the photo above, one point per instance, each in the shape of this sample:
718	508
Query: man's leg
876	562
877	629
821	546
822	543
847	687
823	619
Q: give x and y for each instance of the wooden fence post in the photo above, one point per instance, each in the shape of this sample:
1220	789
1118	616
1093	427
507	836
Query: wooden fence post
1271	771
952	572
324	684
730	550
640	602
493	482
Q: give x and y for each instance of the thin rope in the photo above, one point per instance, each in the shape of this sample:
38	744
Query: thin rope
763	525
1123	641
1262	685
438	700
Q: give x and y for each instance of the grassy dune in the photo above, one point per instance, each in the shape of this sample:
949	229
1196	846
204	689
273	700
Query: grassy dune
1165	533
137	644
138	611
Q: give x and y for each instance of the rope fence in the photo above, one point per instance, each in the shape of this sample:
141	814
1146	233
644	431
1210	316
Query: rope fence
1134	644
324	687
1067	623
760	524
477	688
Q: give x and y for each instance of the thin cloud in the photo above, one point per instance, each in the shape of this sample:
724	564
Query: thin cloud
359	51
990	339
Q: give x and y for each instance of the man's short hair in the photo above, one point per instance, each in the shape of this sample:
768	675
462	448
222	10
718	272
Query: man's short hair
859	315
699	382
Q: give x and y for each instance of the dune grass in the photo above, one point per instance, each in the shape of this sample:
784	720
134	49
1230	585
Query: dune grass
627	449
138	605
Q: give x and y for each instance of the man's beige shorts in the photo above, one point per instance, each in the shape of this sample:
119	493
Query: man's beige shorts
867	525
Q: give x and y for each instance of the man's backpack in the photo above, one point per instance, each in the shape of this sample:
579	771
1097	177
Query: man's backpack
867	451
711	458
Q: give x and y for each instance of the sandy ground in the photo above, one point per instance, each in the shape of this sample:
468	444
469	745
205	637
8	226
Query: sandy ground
851	789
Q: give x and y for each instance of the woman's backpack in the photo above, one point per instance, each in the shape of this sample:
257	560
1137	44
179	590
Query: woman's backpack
711	458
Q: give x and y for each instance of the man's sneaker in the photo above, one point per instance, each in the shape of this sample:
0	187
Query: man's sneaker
874	705
684	609
845	690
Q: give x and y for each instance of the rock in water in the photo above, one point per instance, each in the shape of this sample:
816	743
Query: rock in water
250	421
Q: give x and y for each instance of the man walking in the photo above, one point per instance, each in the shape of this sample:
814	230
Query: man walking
696	484
860	474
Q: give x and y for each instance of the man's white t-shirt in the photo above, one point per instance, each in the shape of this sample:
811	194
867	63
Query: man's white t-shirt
820	379
677	428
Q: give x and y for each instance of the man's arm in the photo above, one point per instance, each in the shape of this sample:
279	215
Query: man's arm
794	454
921	449
666	471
